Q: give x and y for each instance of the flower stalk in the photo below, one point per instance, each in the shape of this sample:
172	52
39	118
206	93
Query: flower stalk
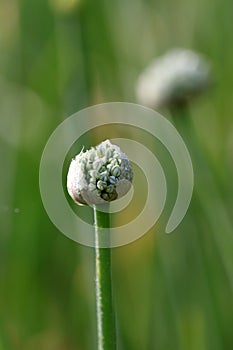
96	177
106	333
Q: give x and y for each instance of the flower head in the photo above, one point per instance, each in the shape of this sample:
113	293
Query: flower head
173	78
99	175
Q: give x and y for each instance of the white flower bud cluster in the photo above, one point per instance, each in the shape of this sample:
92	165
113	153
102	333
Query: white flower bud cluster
173	78
99	175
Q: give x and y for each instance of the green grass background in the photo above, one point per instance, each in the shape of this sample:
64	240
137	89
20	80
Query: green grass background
171	292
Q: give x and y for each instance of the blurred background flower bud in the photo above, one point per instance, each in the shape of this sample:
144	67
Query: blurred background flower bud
173	78
64	6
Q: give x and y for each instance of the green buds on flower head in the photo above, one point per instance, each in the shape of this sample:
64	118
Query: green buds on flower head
173	78
99	175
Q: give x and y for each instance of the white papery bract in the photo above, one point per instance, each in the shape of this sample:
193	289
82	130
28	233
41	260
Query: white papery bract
173	78
99	175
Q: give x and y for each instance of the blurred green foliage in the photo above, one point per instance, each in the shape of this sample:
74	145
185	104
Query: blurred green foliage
171	292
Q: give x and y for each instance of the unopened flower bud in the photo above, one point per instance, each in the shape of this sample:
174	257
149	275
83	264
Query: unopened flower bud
99	175
173	78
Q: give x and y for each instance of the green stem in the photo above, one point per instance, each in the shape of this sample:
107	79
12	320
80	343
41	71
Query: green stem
106	333
182	119
206	194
